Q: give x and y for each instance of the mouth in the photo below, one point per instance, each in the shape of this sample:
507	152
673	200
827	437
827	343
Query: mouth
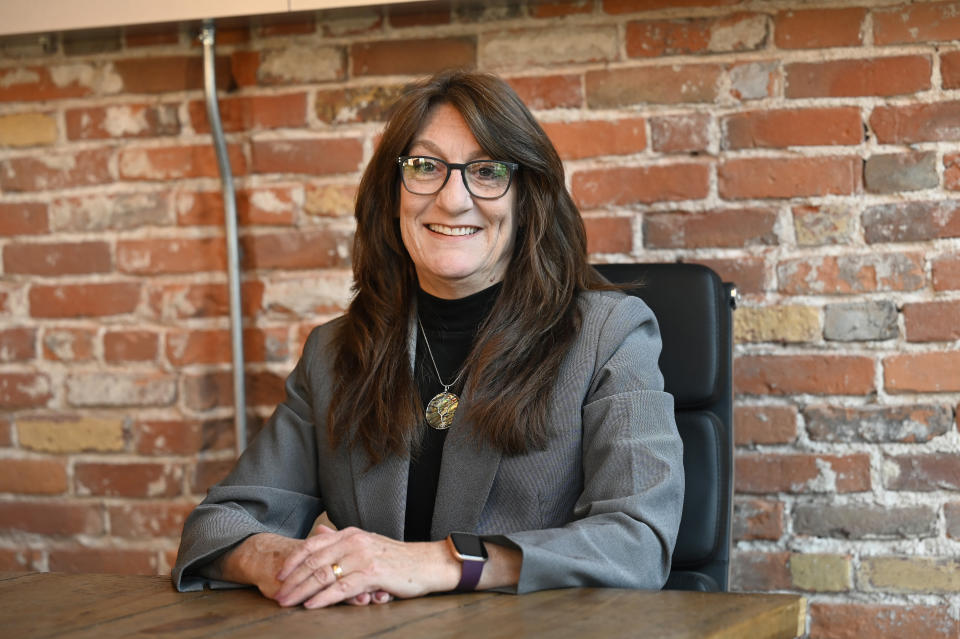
453	230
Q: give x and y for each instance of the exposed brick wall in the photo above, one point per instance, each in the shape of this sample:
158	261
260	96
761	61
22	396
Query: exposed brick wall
807	154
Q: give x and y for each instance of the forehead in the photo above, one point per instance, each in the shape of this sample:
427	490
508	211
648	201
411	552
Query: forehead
445	130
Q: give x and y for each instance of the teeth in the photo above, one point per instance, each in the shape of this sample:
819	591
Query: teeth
452	230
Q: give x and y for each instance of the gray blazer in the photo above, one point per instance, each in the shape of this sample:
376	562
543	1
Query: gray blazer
599	506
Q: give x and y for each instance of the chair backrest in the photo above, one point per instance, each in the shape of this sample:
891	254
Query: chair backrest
694	309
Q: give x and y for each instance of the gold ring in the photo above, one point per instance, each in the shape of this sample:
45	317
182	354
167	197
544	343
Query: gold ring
337	570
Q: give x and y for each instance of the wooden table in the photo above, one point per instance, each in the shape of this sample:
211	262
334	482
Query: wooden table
103	606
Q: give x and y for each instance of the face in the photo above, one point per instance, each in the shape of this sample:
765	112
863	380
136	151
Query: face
459	244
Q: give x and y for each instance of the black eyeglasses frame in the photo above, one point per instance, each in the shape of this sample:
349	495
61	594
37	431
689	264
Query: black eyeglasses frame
451	167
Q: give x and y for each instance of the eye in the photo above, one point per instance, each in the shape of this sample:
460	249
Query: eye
424	166
489	171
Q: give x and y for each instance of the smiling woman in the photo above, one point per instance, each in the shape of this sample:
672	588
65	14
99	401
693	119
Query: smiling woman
487	414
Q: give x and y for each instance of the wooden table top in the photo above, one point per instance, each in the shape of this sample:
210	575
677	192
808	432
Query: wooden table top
104	606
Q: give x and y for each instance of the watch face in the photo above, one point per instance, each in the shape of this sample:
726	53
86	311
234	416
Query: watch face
468	545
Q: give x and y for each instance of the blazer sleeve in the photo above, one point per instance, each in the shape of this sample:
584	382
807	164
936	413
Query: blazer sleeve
626	518
272	488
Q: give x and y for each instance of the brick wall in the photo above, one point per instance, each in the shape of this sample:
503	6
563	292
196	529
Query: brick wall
808	154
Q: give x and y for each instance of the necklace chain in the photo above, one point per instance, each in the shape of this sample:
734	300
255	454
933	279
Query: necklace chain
426	341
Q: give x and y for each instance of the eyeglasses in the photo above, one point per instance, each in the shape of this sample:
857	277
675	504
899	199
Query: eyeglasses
484	179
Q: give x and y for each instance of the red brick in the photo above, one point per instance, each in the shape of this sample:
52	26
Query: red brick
18	344
182	437
722	228
684	133
186	347
634	6
923	473
296	250
101	211
647	184
128	562
6	440
130	346
274	205
182	255
549	92
177	162
21	83
84	300
782	128
950	69
898	75
802	473
856	620
748	273
609	234
67	344
32	476
23	218
420	14
759	571
951	172
946	273
56	170
905	124
757	519
412	57
208	473
67	258
659	38
787	177
202	392
154	519
316	156
932	321
764	425
547	9
674	84
927	22
245	113
299	23
151	35
245	67
937	372
819	28
52	518
166	74
841	274
357	104
267	344
184	301
140	479
21	559
797	374
122	121
592	138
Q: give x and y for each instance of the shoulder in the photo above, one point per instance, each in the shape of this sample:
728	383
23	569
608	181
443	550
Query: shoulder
613	311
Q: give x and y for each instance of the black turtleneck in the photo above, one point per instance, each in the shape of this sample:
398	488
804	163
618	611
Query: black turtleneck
451	326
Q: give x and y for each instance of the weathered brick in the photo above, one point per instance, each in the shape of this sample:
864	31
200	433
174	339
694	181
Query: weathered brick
950	69
488	10
182	437
718	228
151	35
127	562
57	259
826	374
177	162
28	83
282	24
56	170
35	476
659	38
922	473
911	221
549	91
894	75
855	620
122	121
634	6
757	519
786	177
51	518
182	301
208	473
951	172
925	575
20	559
66	434
936	372
951	514
819	28
351	21
619	186
592	138
356	104
548	9
817	225
759	571
917	122
297	250
860	321
204	391
91	41
130	346
6	430
330	200
609	234
430	13
780	128
946	273
821	572
110	211
895	172
23	218
24	390
782	323
272	206
764	424
182	255
212	346
18	344
313	156
864	521
154	519
120	389
748	273
929	22
802	473
683	133
628	86
932	321
519	49
300	297
877	424
68	344
84	300
412	57
27	129
755	79
166	74
138	479
843	274
246	113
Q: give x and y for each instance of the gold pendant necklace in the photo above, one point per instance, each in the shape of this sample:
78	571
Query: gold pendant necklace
443	406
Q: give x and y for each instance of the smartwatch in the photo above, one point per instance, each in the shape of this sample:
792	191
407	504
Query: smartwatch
469	551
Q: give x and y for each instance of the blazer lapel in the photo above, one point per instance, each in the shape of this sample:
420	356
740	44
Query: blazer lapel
381	492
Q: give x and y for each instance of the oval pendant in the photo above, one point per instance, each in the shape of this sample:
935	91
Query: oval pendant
441	409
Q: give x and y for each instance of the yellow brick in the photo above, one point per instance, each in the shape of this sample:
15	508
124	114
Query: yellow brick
821	573
776	324
911	574
27	129
71	435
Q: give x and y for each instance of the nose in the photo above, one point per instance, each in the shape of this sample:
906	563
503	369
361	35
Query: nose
454	197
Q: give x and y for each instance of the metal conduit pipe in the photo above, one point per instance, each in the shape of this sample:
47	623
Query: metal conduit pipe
208	39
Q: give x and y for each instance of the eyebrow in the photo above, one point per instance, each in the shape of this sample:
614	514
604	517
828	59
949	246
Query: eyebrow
479	154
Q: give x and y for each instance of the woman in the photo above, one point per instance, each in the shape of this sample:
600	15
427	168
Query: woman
487	414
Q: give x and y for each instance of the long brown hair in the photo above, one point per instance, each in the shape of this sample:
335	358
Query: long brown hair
514	361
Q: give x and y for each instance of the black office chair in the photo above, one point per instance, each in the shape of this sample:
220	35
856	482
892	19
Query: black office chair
695	311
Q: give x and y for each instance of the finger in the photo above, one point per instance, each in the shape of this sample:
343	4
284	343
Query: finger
309	547
362	599
382	597
312	577
341	590
320	529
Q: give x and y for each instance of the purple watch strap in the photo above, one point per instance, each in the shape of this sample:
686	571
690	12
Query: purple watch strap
470	575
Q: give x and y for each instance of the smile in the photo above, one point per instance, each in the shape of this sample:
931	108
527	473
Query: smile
453	230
